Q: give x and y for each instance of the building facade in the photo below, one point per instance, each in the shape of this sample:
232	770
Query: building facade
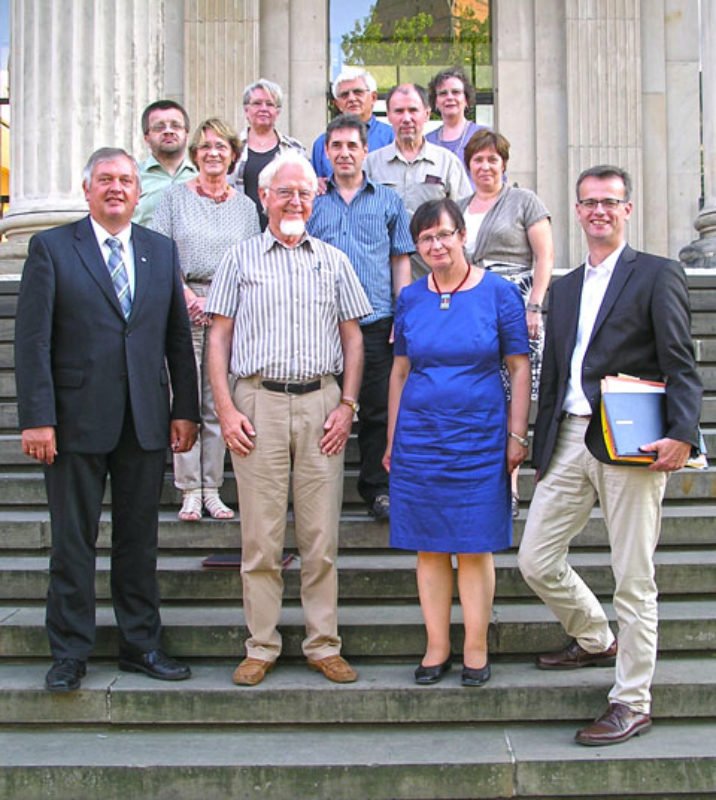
574	83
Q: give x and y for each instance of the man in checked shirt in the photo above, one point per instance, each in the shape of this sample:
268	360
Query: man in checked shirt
285	322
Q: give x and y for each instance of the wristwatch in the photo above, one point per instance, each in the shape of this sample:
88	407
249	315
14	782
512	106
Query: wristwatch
521	439
348	401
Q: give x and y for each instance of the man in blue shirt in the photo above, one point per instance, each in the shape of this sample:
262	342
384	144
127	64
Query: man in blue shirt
354	92
369	223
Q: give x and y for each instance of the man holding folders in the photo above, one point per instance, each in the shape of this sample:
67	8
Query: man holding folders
621	312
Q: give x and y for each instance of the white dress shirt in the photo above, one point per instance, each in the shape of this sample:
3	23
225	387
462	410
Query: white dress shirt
125	237
596	280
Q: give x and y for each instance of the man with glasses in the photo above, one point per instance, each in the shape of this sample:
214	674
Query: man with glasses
370	224
285	312
166	129
354	92
627	312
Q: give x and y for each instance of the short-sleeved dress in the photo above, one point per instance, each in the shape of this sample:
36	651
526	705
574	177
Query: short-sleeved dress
449	485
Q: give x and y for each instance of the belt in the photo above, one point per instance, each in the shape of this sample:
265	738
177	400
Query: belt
292	388
577	416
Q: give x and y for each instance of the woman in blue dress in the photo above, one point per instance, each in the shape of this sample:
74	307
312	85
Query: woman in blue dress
452	439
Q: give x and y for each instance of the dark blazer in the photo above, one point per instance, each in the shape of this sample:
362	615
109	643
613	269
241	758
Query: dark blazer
77	360
643	329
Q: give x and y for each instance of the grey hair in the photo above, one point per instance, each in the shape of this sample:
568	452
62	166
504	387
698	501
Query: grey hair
104	154
272	88
287	158
352	74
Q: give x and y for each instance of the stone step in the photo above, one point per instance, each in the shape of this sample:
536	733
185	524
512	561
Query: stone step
28	488
345	762
28	530
387	575
683	687
368	630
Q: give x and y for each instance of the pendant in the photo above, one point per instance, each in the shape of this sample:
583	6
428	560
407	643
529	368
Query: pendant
445	301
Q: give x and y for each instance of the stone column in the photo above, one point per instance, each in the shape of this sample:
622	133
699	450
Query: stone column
701	253
604	98
221	52
81	72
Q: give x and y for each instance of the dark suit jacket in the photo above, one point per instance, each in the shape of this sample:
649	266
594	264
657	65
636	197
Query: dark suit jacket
643	329
77	360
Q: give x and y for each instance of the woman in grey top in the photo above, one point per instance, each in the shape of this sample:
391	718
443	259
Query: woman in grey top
509	232
205	216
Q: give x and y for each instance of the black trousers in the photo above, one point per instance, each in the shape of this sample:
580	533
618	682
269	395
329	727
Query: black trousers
75	484
373	413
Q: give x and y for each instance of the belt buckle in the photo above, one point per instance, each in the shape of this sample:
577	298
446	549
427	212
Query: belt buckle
287	389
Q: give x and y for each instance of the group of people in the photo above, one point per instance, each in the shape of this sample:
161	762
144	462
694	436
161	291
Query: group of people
398	278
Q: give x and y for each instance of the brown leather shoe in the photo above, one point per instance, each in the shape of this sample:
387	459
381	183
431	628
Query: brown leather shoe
335	668
617	724
252	671
574	656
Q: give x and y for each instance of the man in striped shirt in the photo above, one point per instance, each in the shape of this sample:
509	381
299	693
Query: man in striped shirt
285	322
370	224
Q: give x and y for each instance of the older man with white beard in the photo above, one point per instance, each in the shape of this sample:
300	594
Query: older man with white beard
285	323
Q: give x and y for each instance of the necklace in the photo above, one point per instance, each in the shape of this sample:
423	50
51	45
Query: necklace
460	139
446	297
216	198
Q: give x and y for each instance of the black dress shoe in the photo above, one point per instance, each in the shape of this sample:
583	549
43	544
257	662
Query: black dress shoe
475	677
428	675
65	675
380	507
575	656
156	664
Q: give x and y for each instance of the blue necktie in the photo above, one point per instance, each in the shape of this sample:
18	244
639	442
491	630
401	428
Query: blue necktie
118	273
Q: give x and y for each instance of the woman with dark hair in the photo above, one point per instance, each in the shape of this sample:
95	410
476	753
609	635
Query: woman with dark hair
509	232
452	96
451	439
205	216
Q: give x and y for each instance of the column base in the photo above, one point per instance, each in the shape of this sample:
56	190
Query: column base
701	253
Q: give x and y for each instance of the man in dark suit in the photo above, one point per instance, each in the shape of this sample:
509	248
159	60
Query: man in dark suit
621	312
101	334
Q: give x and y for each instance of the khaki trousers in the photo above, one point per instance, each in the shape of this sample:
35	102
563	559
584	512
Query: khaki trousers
288	431
203	465
630	498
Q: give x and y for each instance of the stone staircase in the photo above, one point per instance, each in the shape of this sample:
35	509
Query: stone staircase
298	736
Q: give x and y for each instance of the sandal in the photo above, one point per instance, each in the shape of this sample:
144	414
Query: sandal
190	510
216	508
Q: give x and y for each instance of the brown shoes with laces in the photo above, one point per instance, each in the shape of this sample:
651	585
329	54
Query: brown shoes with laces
574	656
335	668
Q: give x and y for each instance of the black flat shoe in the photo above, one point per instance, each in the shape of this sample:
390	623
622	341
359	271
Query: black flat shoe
65	675
156	664
428	675
475	677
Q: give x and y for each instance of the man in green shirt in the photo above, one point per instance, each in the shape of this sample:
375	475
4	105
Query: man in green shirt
166	130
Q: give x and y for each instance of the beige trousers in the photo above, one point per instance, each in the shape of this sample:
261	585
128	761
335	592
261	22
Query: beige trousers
203	465
630	498
288	431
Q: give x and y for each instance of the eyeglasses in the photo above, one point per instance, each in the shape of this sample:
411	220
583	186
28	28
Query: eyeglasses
284	193
446	92
260	103
158	127
607	203
425	242
207	147
348	92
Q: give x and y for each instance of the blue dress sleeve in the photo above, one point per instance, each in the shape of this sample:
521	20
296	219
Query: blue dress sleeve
512	322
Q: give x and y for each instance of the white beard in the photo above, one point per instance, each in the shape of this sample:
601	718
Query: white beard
292	227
